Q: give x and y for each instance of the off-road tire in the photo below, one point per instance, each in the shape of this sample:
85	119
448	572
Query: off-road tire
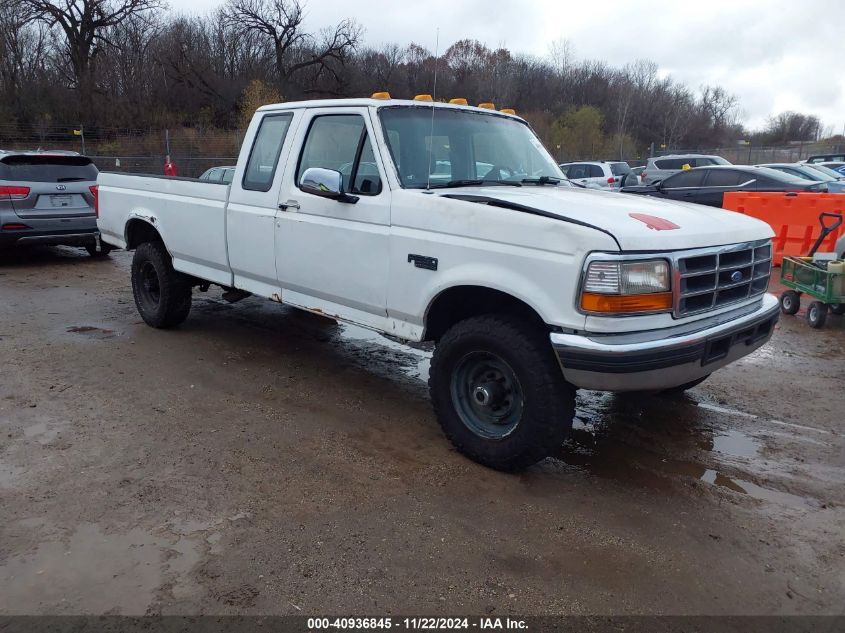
816	314
548	401
790	302
170	304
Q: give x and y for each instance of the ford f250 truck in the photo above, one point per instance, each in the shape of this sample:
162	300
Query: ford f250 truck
446	223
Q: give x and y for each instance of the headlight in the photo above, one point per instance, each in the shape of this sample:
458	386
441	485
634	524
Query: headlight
627	287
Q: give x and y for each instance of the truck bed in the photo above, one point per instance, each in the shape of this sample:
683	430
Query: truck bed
192	213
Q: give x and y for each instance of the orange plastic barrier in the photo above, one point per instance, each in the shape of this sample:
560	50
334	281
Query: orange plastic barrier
793	217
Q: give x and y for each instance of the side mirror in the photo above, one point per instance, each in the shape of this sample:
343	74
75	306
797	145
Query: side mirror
326	183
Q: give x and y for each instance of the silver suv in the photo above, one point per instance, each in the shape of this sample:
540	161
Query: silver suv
49	198
661	167
599	174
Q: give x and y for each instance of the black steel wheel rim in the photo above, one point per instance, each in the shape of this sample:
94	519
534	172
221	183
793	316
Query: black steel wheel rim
150	287
487	395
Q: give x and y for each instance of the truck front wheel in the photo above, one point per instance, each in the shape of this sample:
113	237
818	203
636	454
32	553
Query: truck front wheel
498	392
162	295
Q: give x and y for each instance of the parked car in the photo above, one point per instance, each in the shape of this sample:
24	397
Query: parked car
597	174
661	167
835	184
638	172
707	185
49	198
530	288
826	158
219	174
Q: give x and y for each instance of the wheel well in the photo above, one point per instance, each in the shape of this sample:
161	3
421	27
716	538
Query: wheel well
461	302
140	231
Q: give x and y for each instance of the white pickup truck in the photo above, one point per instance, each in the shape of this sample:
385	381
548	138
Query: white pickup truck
452	224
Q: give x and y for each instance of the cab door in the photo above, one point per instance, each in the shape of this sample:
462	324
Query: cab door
332	254
254	199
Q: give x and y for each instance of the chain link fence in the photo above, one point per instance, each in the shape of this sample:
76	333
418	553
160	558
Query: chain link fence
197	149
193	150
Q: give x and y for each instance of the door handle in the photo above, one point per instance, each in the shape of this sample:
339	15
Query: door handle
290	204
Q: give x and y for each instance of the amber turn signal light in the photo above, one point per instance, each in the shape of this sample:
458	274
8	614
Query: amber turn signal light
626	304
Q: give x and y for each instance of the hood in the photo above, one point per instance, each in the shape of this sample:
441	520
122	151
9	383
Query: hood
678	225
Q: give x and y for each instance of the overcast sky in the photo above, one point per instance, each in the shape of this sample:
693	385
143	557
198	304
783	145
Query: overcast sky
775	55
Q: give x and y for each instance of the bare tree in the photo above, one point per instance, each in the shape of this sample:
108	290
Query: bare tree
23	51
85	25
280	22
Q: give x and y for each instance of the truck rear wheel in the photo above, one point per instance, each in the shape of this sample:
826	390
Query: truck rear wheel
162	295
498	392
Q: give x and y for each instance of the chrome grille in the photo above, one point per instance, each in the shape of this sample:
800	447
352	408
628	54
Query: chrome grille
713	278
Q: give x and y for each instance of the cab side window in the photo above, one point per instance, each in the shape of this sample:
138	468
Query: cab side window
689	178
340	142
726	178
264	155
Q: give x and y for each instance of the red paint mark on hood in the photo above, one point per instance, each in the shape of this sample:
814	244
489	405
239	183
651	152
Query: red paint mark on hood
653	222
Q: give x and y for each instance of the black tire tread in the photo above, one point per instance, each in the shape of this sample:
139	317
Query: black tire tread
536	438
821	315
796	302
175	288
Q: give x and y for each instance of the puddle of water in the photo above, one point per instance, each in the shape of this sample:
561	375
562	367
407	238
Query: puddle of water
92	572
635	440
745	487
413	362
735	443
91	331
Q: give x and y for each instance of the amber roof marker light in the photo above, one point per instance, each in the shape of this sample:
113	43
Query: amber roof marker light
380	95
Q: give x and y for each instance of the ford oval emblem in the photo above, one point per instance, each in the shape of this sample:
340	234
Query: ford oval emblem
60	187
736	276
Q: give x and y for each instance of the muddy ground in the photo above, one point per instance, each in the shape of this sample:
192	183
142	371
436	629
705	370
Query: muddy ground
261	460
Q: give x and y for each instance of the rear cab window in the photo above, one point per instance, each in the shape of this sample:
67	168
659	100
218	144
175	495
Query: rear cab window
620	169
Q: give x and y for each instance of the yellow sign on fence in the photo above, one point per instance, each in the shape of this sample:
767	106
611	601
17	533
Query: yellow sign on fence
77	132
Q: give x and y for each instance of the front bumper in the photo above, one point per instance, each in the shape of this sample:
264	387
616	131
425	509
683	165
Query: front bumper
662	359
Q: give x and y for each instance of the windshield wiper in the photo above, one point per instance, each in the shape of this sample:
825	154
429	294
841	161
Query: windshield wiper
542	180
470	183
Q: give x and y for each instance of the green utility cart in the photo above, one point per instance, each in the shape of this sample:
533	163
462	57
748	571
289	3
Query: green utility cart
823	280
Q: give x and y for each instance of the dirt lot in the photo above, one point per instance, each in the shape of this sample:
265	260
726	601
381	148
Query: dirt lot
260	460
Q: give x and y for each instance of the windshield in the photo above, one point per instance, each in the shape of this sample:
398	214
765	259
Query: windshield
827	171
464	147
